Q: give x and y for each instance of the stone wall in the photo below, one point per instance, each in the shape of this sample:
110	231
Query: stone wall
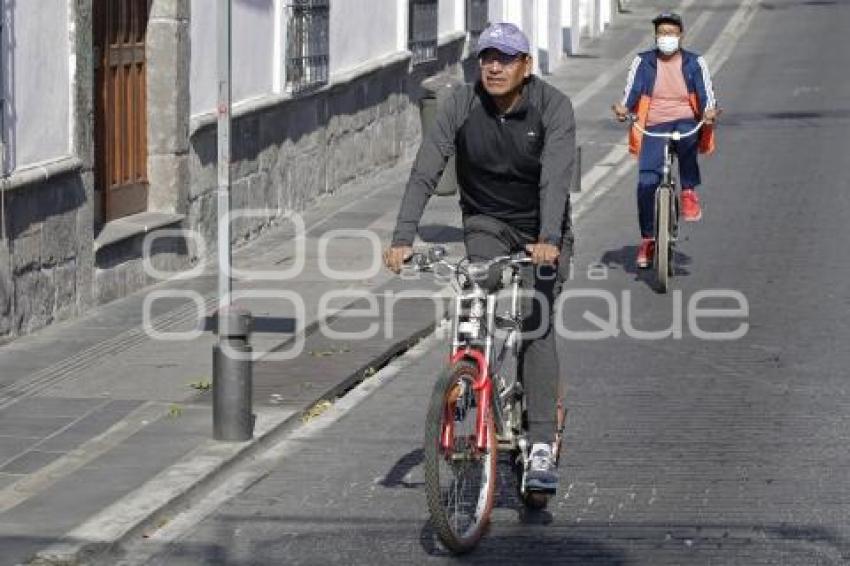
121	266
45	270
168	57
288	155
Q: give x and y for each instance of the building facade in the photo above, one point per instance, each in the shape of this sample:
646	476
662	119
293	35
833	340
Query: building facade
109	123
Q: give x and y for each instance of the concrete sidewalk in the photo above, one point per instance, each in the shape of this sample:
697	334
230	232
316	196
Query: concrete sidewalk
104	430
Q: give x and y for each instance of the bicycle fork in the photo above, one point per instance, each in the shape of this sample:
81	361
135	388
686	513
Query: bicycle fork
483	388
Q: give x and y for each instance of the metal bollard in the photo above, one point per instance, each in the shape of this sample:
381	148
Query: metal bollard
435	88
233	418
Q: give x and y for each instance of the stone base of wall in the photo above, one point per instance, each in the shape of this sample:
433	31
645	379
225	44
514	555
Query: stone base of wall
45	259
125	267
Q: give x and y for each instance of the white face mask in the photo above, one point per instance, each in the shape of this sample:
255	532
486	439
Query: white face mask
667	44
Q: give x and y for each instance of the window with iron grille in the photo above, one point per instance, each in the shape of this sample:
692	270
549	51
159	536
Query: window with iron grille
422	30
476	18
307	45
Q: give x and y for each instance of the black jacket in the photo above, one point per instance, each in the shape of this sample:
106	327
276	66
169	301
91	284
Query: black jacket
516	167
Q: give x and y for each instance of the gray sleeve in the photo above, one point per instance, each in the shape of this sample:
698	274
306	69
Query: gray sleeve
558	160
438	144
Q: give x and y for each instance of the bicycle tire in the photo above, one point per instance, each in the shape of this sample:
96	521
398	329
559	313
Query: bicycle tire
662	238
458	537
535	500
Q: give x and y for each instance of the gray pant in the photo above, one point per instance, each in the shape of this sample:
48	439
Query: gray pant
487	237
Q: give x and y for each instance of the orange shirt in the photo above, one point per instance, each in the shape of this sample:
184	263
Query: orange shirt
670	95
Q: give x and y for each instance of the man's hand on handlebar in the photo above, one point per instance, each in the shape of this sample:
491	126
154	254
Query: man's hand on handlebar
620	111
395	256
711	114
542	253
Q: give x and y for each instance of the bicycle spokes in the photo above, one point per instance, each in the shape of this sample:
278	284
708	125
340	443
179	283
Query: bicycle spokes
458	438
459	476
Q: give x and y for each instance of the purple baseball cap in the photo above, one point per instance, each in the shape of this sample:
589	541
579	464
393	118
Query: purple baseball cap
504	37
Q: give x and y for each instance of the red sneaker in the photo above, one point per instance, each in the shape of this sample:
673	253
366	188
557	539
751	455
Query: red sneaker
646	251
691	210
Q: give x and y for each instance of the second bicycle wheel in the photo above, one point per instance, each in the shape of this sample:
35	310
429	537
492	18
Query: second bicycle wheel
460	479
662	237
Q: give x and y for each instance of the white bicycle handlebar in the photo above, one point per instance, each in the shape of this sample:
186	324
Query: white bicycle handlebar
675	136
422	262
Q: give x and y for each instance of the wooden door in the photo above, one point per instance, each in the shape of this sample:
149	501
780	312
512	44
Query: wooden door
121	154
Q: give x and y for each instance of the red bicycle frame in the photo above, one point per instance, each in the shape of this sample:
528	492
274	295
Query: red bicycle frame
483	385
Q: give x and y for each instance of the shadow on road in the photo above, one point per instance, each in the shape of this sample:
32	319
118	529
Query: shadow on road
399	473
624	258
534	547
237	539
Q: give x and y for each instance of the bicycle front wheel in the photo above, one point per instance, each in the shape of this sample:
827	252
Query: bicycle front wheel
460	479
662	237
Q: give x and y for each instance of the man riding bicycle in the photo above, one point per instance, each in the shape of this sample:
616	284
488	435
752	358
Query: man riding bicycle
669	89
513	136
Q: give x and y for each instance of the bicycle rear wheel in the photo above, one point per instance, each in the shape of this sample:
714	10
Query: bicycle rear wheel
460	479
662	237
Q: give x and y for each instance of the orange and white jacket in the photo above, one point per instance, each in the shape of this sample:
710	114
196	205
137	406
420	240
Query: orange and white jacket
641	82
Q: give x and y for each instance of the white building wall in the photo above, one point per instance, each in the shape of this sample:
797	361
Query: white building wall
506	11
585	6
514	11
571	23
496	10
362	31
542	19
451	17
37	70
253	52
202	74
606	12
554	42
402	9
529	23
253	48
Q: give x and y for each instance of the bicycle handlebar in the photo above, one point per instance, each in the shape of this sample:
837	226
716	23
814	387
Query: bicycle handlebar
435	256
675	136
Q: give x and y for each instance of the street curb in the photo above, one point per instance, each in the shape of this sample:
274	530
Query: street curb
187	481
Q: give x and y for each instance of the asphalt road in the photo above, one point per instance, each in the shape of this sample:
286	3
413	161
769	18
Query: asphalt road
680	450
